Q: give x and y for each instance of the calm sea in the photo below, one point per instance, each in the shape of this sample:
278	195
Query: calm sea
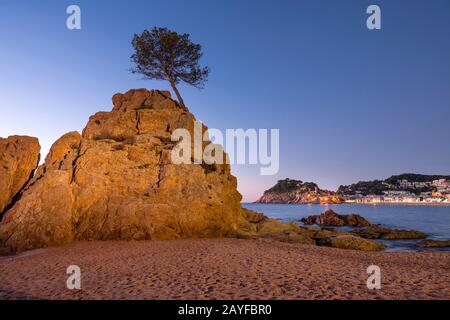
433	220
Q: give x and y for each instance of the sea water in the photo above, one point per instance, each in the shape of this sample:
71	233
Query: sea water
434	220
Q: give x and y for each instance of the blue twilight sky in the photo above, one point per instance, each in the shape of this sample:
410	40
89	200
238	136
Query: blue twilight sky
351	104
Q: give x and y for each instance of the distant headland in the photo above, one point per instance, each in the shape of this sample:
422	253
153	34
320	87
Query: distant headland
297	191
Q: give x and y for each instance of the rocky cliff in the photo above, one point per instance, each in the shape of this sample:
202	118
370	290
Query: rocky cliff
116	181
296	191
19	157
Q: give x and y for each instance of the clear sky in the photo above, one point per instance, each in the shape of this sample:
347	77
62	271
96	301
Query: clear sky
351	104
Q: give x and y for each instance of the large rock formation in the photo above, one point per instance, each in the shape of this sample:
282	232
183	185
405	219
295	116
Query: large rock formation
19	157
117	181
296	191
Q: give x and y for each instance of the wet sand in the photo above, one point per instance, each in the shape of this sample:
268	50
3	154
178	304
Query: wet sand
221	269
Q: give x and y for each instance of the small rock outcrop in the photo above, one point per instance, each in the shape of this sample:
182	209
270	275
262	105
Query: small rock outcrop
19	157
351	242
296	191
377	232
434	243
331	218
283	231
117	181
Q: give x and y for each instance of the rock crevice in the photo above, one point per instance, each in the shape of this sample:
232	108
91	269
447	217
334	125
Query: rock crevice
19	158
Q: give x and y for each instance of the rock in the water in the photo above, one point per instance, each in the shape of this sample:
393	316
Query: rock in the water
434	243
331	218
351	242
274	229
19	157
117	181
376	232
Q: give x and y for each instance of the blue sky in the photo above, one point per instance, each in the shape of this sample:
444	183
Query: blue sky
351	104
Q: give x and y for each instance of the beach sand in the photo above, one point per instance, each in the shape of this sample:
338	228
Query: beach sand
221	269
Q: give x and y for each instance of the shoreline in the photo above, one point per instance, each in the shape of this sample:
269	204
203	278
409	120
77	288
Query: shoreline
401	204
221	268
363	203
433	220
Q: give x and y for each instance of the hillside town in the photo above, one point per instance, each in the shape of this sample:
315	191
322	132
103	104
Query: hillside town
406	191
404	188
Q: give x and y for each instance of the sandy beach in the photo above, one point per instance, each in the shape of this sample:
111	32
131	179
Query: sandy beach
221	269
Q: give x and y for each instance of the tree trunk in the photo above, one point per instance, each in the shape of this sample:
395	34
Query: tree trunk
180	99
